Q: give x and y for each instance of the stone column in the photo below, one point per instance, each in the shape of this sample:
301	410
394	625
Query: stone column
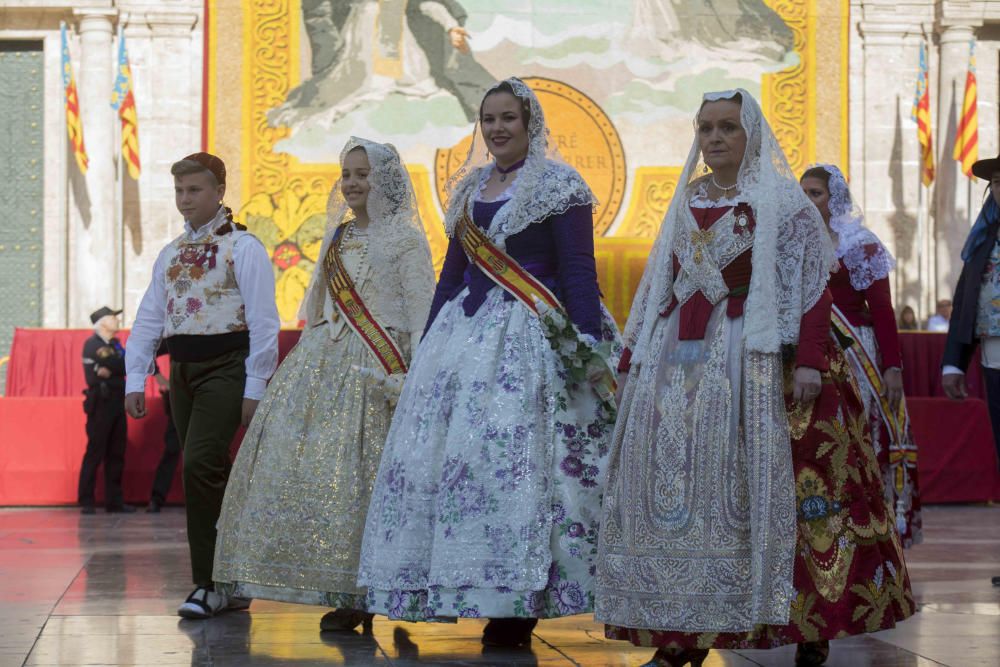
885	174
956	195
95	236
166	56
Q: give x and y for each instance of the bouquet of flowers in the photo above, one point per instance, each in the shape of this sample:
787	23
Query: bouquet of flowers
585	359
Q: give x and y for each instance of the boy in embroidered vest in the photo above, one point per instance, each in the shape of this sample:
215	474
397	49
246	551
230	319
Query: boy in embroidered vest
212	299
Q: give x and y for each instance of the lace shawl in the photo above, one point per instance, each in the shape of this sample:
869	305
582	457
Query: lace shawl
864	263
793	253
398	250
546	185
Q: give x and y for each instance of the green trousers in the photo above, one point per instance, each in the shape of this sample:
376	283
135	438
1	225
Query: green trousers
206	398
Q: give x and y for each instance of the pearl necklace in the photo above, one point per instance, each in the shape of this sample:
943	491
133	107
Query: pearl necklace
355	240
719	187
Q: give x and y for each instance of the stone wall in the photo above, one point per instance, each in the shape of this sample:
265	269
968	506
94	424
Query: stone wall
103	231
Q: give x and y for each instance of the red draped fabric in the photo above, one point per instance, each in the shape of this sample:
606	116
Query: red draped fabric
922	352
42	441
42	434
42	438
47	362
957	458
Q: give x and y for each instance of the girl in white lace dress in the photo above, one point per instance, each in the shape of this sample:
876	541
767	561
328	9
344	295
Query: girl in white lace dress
294	511
488	496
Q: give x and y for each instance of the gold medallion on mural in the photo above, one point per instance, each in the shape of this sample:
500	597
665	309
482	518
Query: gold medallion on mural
585	137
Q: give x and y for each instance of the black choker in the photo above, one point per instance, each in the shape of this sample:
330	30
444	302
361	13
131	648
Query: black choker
503	172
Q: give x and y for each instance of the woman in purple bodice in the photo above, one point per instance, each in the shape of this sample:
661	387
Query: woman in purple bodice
487	500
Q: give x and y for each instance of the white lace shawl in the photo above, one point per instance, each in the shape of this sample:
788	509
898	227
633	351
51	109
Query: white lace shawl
546	185
398	250
792	254
847	221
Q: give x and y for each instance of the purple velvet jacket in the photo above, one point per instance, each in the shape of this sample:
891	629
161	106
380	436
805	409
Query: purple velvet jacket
558	251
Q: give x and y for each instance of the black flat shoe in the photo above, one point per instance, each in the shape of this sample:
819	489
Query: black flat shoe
120	509
996	581
509	632
812	654
88	509
153	507
676	657
346	620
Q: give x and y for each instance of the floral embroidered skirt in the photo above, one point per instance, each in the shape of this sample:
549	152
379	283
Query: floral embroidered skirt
849	574
294	510
487	500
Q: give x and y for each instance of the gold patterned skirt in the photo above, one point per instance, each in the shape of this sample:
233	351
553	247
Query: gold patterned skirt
294	511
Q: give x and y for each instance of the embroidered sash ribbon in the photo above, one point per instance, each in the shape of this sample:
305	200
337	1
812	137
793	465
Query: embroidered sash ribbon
896	421
353	309
506	272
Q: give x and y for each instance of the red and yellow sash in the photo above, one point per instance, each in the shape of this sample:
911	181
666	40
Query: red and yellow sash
502	268
895	421
353	309
505	271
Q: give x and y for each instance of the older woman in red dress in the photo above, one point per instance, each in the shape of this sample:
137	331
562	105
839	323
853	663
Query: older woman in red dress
744	505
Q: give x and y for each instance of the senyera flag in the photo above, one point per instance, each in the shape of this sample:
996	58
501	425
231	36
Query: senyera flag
922	115
967	134
74	126
123	101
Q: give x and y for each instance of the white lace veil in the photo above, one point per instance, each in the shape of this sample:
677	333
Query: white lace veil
392	212
792	253
545	185
864	264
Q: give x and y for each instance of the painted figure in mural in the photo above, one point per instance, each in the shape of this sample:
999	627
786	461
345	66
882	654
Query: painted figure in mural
416	49
861	296
438	27
660	27
744	506
211	298
309	458
488	495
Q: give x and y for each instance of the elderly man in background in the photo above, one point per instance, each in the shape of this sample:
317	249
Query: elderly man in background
104	369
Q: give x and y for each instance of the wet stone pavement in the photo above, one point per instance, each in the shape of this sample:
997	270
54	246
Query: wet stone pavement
103	590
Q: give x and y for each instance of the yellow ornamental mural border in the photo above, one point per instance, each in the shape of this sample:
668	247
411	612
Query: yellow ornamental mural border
279	183
271	68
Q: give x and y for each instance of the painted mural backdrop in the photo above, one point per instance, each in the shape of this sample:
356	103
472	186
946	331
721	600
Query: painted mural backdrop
619	81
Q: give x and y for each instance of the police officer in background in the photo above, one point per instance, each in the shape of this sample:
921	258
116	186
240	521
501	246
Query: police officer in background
104	369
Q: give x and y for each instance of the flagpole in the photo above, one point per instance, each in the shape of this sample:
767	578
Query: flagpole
120	195
920	241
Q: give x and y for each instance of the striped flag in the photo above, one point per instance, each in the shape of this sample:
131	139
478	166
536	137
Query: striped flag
922	115
967	135
123	101
73	124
